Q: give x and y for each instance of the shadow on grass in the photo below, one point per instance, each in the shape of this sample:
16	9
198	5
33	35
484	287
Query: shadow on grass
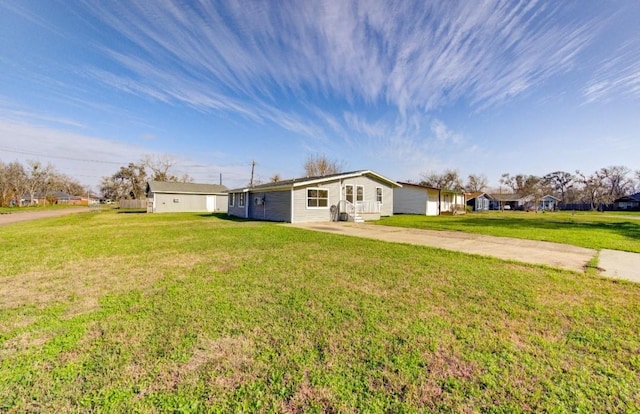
226	217
132	211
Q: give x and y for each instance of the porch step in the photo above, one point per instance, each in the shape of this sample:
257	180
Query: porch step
358	219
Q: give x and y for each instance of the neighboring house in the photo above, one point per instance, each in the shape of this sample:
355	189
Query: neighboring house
351	196
549	203
419	199
509	202
478	201
56	197
629	202
172	197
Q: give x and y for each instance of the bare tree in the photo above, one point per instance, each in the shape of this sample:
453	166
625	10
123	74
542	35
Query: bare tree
275	178
160	166
5	185
476	183
67	184
615	181
448	180
560	182
319	165
521	184
38	179
592	189
16	181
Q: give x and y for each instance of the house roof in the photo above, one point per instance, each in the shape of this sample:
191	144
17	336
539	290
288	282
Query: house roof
184	188
426	187
58	195
551	196
476	194
406	184
631	197
304	181
508	197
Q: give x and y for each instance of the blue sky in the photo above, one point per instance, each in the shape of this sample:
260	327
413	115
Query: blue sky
398	87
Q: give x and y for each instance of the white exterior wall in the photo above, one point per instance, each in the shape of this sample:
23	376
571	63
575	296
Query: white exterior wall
186	203
433	204
416	200
409	200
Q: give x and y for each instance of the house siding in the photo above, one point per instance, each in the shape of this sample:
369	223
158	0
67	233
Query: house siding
236	210
288	202
186	203
369	185
276	205
304	214
337	192
407	200
415	200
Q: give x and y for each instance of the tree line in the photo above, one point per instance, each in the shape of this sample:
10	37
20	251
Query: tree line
596	189
21	184
130	181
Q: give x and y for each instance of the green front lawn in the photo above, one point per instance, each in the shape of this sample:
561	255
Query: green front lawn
108	312
592	230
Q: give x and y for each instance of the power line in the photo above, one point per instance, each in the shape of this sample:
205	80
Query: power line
36	154
56	157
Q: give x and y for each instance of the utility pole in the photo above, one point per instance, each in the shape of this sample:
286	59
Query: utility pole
253	166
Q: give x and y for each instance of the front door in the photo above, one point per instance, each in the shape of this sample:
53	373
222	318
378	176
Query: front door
348	189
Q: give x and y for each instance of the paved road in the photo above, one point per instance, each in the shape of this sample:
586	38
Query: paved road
38	214
528	251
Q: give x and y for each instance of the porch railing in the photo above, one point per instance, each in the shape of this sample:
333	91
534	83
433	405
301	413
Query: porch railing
368	207
346	211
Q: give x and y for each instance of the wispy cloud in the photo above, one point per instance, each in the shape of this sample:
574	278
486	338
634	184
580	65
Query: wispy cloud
373	70
88	158
618	75
443	134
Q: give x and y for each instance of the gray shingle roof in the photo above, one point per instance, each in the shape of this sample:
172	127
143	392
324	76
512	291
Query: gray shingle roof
631	197
184	188
302	180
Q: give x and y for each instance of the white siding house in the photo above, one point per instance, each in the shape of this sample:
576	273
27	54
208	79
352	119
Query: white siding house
352	196
172	197
419	199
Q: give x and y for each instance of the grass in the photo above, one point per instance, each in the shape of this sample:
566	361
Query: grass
107	312
592	230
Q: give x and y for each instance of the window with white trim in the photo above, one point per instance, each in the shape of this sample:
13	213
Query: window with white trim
241	197
379	194
359	193
232	199
317	198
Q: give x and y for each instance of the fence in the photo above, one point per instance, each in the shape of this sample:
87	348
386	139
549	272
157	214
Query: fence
139	204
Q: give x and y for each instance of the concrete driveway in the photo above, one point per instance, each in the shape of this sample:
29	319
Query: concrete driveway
563	256
620	265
